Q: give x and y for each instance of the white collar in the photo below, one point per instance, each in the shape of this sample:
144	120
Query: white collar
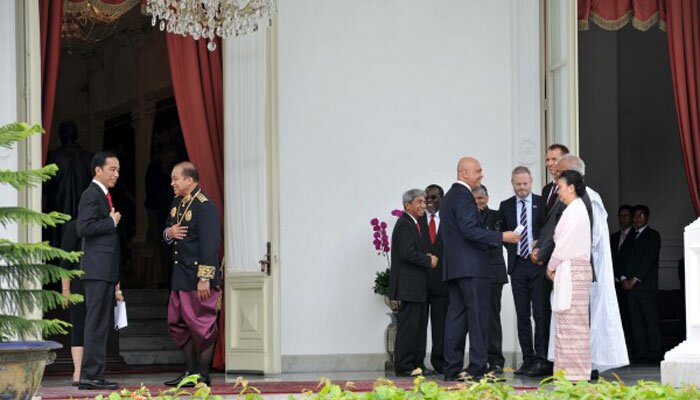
103	187
465	184
415	221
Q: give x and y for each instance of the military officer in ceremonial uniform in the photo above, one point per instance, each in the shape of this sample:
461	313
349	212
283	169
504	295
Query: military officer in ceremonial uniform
193	230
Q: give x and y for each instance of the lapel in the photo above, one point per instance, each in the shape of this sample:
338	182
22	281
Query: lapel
412	224
535	210
101	195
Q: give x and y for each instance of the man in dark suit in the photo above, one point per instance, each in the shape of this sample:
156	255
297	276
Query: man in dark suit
97	225
437	299
194	231
621	243
409	283
641	280
490	219
544	247
554	153
527	279
467	272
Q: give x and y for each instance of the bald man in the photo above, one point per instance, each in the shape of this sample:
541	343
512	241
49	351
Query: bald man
467	271
193	230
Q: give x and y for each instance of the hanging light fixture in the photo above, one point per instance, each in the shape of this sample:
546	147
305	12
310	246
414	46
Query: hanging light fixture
207	19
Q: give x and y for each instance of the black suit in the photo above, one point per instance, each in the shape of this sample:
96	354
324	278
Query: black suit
100	262
438	296
490	219
409	284
468	274
618	254
527	279
546	190
642	262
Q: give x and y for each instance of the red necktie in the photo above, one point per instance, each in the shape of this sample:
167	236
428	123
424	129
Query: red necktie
432	230
418	227
109	199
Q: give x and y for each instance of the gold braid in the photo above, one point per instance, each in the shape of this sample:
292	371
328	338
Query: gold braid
189	203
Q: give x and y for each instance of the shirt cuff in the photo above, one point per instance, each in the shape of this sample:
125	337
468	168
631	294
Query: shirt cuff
637	279
165	236
622	277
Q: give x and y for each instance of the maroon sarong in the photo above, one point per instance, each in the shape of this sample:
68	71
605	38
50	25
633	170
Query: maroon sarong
192	319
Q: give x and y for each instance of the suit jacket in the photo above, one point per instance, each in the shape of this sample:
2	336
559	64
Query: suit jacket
642	261
491	219
197	254
508	214
465	253
409	263
101	248
619	253
436	287
546	238
545	195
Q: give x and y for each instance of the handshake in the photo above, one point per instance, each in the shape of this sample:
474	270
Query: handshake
433	261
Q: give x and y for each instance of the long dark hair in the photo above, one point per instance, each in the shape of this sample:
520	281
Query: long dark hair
574	178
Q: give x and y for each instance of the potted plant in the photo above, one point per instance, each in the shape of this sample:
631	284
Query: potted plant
380	240
24	267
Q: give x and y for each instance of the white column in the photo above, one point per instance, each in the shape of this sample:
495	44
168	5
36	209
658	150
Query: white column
681	365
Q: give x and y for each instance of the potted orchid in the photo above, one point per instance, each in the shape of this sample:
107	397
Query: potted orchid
380	240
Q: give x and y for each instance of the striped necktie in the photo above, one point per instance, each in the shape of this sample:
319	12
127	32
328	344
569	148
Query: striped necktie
524	247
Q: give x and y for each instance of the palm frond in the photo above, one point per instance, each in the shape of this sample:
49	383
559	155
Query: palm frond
26	216
46	273
11	325
24	300
30	178
17	131
12	253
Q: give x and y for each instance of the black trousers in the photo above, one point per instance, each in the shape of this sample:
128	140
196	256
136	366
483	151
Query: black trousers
527	282
408	345
99	319
495	352
623	304
644	320
468	311
437	310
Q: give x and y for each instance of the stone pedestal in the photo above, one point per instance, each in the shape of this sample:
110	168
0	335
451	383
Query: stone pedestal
681	365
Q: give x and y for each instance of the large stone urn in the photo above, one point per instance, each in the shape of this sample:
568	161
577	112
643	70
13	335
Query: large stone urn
390	333
22	367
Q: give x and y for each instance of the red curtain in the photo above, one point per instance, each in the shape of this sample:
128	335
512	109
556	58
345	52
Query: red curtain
614	14
50	19
197	75
683	27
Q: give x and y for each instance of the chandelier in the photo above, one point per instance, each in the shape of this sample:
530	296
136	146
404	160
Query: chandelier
92	20
208	19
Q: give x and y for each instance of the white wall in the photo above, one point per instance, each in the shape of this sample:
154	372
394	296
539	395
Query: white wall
376	98
8	104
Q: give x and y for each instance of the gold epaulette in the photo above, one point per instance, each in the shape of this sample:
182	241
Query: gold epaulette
202	198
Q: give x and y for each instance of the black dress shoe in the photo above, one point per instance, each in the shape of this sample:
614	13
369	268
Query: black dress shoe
427	372
176	381
541	369
496	370
96	384
403	374
205	379
594	375
452	378
524	369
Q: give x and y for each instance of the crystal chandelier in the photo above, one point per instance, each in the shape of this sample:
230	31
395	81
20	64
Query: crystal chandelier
207	19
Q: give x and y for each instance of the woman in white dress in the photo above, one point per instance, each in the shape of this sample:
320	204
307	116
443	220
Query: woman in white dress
570	269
